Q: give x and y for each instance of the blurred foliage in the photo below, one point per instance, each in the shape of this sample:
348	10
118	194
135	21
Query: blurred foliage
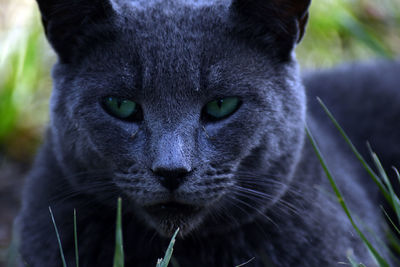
348	30
338	30
25	61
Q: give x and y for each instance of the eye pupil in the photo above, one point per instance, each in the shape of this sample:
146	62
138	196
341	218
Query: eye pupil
220	102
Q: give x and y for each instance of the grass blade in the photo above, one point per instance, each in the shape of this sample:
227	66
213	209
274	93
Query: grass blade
164	262
394	243
119	248
373	251
58	238
394	200
397	173
391	221
76	241
373	175
12	252
354	264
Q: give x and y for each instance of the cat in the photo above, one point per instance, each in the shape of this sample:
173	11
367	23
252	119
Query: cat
194	113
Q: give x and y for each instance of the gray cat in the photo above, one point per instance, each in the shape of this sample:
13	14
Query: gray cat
194	113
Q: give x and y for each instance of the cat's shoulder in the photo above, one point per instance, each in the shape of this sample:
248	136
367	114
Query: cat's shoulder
364	97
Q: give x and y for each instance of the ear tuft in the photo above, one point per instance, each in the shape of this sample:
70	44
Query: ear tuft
282	22
66	22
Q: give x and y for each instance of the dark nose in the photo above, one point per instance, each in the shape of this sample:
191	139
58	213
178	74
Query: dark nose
171	178
171	162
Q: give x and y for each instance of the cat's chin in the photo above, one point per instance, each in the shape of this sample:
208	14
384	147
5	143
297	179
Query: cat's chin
169	216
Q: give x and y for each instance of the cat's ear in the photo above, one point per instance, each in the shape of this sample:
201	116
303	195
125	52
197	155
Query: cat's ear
69	24
279	21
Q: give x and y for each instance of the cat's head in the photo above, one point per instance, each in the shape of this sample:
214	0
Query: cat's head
191	110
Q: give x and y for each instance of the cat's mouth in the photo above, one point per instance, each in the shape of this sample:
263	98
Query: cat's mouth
168	216
172	208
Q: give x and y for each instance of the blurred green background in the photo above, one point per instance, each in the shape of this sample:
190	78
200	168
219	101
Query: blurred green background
338	31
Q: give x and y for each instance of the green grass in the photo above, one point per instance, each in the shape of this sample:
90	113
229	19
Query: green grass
58	238
76	239
382	181
165	261
12	253
119	249
382	262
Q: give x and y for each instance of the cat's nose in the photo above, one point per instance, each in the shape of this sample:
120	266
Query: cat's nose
171	162
171	177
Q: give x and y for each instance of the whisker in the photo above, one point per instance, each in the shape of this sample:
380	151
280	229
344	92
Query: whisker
258	197
263	215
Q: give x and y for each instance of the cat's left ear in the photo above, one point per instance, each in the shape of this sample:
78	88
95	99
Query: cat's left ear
70	25
279	21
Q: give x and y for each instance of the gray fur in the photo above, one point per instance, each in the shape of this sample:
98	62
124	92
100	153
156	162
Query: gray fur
256	185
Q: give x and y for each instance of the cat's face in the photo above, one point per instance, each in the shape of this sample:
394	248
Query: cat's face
177	112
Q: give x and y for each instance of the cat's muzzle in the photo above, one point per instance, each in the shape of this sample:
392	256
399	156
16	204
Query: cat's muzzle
168	216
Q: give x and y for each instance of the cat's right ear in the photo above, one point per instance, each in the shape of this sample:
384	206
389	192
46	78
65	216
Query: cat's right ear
71	25
275	24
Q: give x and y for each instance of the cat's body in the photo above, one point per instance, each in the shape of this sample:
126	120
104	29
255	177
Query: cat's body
245	185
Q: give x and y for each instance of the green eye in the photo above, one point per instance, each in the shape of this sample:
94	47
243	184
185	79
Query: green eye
221	108
122	109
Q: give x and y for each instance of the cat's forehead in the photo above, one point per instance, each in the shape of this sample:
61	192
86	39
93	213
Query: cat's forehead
169	21
171	42
169	47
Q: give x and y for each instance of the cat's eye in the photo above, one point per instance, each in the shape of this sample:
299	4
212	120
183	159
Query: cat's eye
221	108
122	109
